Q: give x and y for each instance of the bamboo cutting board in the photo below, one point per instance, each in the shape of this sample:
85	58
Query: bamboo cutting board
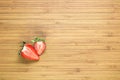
82	37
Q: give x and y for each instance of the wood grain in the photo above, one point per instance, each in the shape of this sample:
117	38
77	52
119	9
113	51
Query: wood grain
82	37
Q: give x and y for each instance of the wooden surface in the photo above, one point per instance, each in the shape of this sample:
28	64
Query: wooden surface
82	36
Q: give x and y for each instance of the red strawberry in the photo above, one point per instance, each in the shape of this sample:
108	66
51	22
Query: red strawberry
39	45
28	52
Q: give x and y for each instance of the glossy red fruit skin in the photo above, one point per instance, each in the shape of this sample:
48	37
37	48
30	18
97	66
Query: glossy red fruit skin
40	47
28	52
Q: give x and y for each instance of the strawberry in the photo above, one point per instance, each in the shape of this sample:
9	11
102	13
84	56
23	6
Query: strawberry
39	45
28	52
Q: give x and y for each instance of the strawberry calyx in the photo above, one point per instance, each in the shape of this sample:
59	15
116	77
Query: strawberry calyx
23	43
37	40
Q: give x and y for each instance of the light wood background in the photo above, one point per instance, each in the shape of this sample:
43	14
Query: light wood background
82	36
